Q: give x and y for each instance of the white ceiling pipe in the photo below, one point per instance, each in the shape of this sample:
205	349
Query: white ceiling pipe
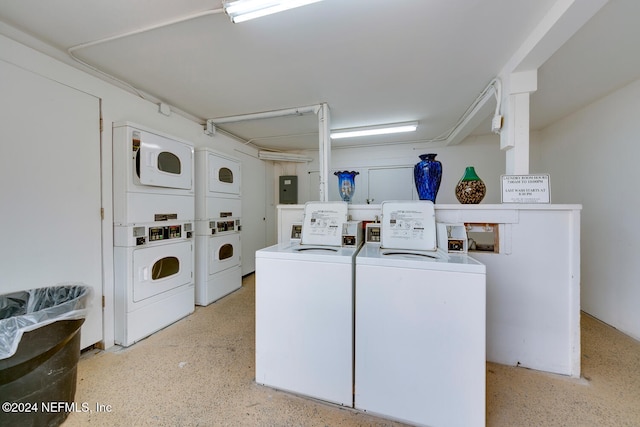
267	114
145	29
127	85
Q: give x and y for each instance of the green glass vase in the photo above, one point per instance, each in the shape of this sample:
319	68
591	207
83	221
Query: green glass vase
470	189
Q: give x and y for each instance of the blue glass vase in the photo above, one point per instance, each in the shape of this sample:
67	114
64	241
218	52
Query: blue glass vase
427	174
346	184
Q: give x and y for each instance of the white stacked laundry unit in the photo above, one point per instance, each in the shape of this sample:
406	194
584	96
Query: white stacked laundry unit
153	203
218	215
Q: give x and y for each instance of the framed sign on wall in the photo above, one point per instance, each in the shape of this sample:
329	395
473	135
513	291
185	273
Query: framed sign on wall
525	188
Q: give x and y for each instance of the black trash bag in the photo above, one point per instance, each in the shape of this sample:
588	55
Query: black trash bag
24	311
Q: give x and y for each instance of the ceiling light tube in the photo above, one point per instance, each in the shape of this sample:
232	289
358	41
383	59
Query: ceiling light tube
283	157
375	130
244	10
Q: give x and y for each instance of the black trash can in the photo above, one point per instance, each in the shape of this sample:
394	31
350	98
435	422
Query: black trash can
39	352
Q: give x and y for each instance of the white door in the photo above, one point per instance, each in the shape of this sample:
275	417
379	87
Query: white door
50	188
224	252
391	184
254	210
158	269
224	175
164	162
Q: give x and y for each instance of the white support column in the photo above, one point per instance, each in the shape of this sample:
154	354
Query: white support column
519	76
514	138
324	150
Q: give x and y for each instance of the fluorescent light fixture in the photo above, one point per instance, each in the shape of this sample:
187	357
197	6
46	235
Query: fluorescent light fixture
243	10
374	130
283	157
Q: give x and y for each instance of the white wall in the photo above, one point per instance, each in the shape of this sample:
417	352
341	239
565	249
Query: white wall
482	152
117	105
592	157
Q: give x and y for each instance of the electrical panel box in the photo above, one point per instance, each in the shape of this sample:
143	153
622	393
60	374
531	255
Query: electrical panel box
288	190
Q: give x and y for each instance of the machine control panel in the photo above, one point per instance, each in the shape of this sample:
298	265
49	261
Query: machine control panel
139	235
352	234
373	232
225	225
452	237
296	231
165	232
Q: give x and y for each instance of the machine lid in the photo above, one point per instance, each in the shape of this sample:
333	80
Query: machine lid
409	225
323	222
318	249
292	251
428	256
373	255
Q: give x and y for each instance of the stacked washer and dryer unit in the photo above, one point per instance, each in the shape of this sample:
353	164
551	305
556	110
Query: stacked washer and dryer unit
153	201
218	224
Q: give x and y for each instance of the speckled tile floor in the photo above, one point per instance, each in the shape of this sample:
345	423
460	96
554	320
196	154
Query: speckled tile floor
200	372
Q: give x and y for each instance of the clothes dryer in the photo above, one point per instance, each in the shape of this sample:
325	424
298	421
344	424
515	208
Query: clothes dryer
153	210
219	175
153	176
218	225
304	309
153	278
218	259
419	324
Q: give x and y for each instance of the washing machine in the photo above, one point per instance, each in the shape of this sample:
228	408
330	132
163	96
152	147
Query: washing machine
304	309
419	324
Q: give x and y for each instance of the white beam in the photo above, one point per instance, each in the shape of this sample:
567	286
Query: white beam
519	75
324	131
561	22
516	135
524	82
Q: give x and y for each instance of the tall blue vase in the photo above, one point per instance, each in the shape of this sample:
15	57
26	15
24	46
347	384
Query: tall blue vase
427	174
346	184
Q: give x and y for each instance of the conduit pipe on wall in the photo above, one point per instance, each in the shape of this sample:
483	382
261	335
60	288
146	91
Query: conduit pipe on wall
72	49
324	140
323	109
298	111
457	133
145	29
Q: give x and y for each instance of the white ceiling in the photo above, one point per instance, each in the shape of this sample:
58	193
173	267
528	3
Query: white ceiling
371	61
